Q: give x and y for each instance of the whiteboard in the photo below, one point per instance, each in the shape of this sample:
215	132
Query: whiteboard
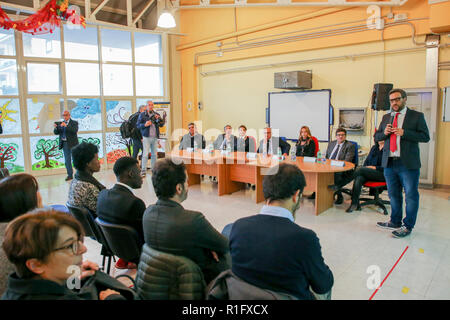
289	111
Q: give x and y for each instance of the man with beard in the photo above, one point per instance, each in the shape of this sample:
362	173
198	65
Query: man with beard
269	250
170	228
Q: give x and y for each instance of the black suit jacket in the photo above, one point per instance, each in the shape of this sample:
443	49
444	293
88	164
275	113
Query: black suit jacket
415	131
71	134
347	152
276	142
120	205
1	130
170	228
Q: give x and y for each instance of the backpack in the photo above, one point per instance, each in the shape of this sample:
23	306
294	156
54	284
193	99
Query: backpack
126	129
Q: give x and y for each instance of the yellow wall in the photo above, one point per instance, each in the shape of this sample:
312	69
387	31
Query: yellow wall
241	97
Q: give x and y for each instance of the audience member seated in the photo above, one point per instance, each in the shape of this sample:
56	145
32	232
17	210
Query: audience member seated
120	205
305	146
42	245
270	251
84	189
270	144
343	150
226	140
18	195
170	228
372	170
193	139
244	142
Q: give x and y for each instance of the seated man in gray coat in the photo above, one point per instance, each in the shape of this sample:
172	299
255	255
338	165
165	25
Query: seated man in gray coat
170	228
343	150
193	139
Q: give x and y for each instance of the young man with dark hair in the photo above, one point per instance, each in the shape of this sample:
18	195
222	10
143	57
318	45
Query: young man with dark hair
120	205
402	129
170	228
270	251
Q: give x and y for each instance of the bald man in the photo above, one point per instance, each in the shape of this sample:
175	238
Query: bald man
67	131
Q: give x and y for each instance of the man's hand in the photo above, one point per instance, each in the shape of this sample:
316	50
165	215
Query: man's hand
157	116
88	269
106	293
398	131
388	130
148	123
63	124
215	256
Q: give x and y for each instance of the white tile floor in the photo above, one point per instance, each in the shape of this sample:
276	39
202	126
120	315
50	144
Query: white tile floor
350	242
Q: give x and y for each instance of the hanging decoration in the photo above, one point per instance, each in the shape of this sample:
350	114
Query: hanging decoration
45	20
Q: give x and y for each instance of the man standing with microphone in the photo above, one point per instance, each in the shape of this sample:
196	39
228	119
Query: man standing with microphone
149	123
402	129
67	131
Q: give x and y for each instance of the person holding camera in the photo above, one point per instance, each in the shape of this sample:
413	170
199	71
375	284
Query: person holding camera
149	123
67	131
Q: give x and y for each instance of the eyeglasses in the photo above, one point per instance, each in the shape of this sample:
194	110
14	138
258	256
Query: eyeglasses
340	134
74	246
396	99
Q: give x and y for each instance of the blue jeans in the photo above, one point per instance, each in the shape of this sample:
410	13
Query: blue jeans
68	159
150	144
398	177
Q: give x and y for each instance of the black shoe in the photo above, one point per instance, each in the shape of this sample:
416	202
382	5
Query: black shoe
388	225
312	196
333	187
352	208
401	233
339	200
68	178
253	187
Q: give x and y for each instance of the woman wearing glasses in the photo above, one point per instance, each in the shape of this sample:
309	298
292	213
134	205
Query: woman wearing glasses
46	246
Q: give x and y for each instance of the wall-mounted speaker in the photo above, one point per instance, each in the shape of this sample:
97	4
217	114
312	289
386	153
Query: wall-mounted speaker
380	96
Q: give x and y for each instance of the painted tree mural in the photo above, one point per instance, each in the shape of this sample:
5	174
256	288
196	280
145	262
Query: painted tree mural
113	141
48	148
8	152
95	141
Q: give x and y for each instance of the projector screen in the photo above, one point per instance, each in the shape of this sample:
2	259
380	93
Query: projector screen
289	111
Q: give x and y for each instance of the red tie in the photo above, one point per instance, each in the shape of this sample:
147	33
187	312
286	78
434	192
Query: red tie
393	137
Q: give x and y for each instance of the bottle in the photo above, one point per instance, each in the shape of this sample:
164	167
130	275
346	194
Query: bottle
319	157
279	154
228	148
293	156
195	146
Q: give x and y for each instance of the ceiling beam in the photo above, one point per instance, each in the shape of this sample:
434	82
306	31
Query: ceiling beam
99	7
105	8
129	13
140	14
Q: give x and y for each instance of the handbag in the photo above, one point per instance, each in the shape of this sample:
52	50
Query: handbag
101	281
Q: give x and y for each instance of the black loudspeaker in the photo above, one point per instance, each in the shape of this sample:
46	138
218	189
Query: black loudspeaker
380	96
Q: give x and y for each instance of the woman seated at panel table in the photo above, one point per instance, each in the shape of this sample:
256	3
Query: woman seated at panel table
305	146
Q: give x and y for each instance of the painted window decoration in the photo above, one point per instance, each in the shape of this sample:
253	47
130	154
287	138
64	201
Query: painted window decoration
117	112
10	116
117	147
95	138
45	153
11	155
87	112
43	112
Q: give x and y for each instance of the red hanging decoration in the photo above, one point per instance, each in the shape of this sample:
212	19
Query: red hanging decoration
45	20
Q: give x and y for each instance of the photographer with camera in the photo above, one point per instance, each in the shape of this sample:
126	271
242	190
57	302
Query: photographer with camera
149	123
67	131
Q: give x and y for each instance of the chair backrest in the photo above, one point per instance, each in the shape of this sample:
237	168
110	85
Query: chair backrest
356	158
123	240
164	276
316	142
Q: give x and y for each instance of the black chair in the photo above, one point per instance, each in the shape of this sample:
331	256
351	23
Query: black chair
376	189
92	230
123	239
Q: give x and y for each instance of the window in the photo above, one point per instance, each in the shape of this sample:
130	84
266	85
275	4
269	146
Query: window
45	153
43	46
80	43
43	112
82	79
8	77
87	112
149	81
43	78
117	80
10	116
7	43
147	48
116	45
11	154
116	147
117	112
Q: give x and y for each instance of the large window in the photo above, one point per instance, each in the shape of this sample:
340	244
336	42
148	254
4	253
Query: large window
97	73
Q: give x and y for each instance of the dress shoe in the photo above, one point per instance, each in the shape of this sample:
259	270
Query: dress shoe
68	178
352	208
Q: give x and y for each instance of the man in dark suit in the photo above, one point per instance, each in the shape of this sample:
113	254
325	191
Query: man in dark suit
226	140
270	144
170	228
402	129
67	131
342	150
119	204
269	250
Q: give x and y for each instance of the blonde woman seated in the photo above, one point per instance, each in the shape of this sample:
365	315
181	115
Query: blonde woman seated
305	146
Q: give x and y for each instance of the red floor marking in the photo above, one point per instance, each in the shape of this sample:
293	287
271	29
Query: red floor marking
388	273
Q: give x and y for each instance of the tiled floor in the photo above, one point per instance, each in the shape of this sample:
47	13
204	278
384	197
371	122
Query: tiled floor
350	242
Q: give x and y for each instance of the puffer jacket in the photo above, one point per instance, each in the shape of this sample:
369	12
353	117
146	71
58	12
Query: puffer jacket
164	276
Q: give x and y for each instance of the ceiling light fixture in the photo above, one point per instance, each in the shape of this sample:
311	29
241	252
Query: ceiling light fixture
166	19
